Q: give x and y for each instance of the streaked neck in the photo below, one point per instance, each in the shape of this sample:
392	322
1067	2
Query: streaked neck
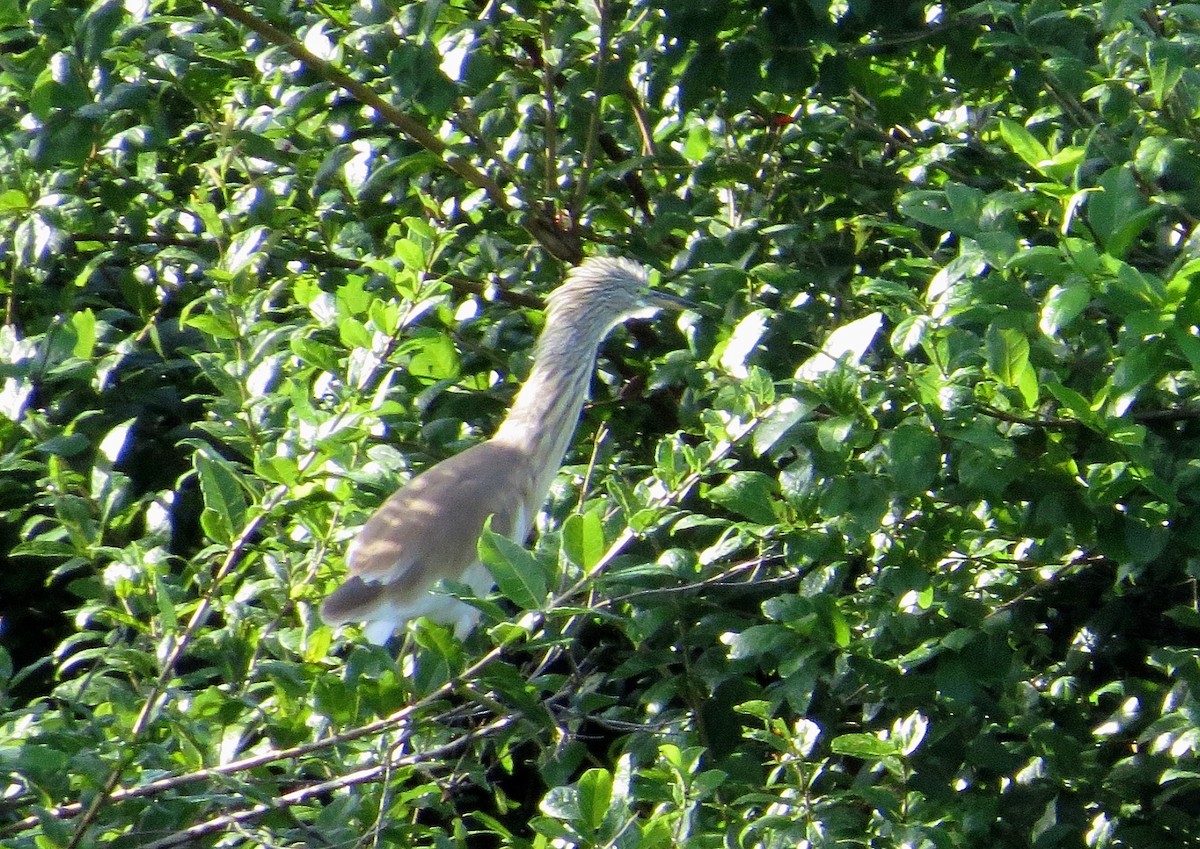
546	410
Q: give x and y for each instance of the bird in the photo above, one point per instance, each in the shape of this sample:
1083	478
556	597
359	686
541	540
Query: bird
428	530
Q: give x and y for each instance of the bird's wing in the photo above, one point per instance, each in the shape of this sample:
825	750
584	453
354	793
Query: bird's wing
428	530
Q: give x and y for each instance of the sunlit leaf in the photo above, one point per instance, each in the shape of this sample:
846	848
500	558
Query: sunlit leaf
1023	143
583	539
848	344
1008	352
749	494
519	576
224	499
594	795
743	341
867	746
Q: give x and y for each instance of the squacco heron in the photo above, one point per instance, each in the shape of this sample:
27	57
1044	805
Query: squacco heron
429	529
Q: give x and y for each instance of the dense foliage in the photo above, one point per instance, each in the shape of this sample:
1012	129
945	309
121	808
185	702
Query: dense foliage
890	541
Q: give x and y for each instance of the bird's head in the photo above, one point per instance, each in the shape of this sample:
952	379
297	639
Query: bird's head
602	292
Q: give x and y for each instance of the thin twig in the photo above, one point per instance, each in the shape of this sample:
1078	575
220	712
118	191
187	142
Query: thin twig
309	791
509	296
153	701
721	580
1070	568
634	100
884	45
1178	414
551	124
531	621
1029	421
368	97
589	150
544	230
608	143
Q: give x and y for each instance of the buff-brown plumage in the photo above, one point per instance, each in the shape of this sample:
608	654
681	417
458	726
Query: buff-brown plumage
428	530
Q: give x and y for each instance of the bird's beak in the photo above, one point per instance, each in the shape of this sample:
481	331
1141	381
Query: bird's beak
667	301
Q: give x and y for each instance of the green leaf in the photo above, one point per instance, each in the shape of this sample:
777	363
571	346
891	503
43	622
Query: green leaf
583	539
411	254
1063	305
914	458
315	353
224	498
1108	483
743	73
699	142
385	315
1118	213
1133	290
434	358
515	687
352	298
332	698
1147	531
1167	61
834	433
217	326
562	803
44	765
929	207
1061	166
519	576
1027	385
34	239
966	203
1046	822
1075	404
758	708
353	333
1007	353
97	28
1023	144
59	88
910	332
113	445
1188	345
907	733
594	796
742	342
84	325
838	625
749	494
108	452
707	782
846	344
246	249
866	746
778	421
13	200
441	657
758	640
166	605
1135	372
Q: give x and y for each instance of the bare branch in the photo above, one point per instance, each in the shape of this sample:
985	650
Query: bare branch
589	151
309	791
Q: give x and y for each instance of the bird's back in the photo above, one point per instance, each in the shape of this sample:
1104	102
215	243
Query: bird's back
428	531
